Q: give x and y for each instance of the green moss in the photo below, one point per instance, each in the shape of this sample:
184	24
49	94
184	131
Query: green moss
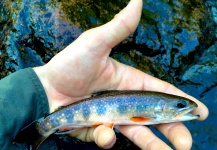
89	13
148	17
192	13
12	8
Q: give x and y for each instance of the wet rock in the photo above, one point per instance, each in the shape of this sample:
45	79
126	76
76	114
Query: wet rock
175	41
36	33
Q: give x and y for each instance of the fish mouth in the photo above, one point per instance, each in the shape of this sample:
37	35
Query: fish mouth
185	114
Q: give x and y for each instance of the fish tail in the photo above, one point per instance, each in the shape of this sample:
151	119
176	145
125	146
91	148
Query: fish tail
30	136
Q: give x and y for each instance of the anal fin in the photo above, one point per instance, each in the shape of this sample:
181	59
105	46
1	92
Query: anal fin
68	129
107	124
110	125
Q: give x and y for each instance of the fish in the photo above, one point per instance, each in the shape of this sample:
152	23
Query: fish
110	108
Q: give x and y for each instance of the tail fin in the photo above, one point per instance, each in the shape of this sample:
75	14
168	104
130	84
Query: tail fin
30	135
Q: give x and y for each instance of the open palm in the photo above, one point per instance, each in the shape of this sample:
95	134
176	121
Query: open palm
85	67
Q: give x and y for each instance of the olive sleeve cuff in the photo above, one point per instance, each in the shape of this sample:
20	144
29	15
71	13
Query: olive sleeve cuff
22	100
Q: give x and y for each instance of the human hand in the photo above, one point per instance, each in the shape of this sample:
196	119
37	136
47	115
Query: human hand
84	67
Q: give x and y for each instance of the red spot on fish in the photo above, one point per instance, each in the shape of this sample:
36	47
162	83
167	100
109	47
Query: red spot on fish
140	119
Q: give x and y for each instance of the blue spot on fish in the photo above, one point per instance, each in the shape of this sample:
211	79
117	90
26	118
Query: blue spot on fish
122	109
86	112
76	108
69	115
101	110
140	108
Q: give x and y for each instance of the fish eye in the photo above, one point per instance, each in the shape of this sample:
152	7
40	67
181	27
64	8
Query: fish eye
181	104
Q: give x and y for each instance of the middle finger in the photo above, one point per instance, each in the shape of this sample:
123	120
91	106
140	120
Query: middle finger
143	137
177	134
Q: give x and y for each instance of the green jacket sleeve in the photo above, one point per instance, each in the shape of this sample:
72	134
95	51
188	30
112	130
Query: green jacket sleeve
22	100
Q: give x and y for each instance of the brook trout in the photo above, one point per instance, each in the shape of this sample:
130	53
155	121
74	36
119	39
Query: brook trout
110	108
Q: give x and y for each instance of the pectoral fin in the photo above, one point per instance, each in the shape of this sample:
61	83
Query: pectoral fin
141	119
96	124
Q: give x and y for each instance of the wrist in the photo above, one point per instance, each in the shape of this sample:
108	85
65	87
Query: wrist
41	73
55	98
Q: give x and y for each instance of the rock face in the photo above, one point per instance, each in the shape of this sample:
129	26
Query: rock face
32	32
175	41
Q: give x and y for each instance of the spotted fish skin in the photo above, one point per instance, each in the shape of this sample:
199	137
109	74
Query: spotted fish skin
116	108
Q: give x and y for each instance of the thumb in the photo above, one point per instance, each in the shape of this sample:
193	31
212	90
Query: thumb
102	39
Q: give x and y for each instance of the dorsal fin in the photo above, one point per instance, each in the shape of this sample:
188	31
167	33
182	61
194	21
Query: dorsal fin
103	92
